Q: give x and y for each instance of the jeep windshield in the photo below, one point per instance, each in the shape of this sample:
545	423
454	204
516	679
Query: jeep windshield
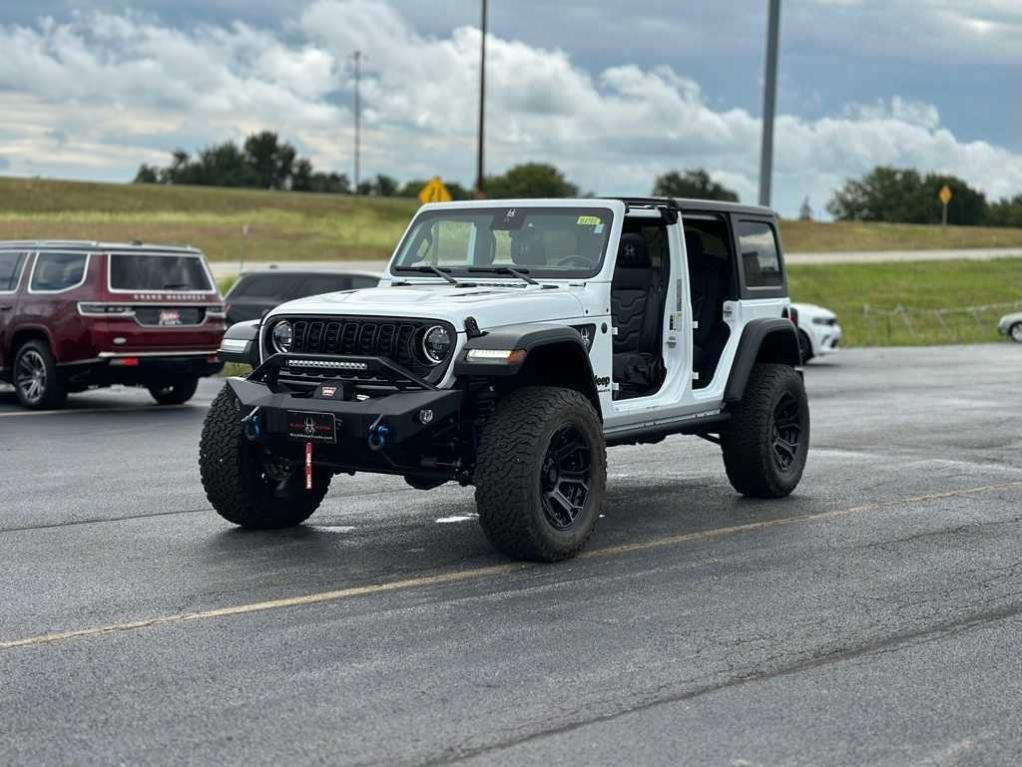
158	272
551	243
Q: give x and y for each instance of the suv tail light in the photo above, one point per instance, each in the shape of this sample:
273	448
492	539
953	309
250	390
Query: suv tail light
793	315
105	310
217	311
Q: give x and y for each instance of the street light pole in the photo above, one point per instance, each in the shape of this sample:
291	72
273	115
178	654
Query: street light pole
482	105
766	156
358	116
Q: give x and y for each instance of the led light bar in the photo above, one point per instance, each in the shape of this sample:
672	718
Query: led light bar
340	364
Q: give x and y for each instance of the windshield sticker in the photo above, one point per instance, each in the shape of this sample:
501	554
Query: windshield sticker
589	221
598	229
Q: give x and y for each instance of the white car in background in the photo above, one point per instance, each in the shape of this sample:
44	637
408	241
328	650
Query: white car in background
818	331
1011	326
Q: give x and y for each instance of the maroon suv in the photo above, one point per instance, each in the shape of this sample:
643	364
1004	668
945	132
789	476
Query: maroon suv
76	316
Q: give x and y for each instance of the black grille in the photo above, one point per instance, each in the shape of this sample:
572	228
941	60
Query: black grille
373	338
398	340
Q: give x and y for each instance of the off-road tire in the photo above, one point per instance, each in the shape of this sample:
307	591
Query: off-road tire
805	346
37	355
1015	332
748	440
508	474
175	393
233	476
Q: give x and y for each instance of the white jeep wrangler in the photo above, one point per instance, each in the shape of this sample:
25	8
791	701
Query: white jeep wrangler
508	345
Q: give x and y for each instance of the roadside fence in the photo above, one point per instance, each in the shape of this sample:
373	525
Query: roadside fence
904	325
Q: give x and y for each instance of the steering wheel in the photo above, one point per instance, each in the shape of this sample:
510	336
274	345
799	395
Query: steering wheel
580	261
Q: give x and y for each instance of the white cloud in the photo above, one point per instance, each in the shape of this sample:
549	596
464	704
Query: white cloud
106	91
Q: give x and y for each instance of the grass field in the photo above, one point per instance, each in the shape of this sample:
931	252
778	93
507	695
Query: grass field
925	302
295	226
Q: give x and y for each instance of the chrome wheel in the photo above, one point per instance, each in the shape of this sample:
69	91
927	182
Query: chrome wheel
30	376
1016	332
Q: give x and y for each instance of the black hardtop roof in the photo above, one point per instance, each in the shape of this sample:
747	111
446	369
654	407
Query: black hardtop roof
691	204
89	246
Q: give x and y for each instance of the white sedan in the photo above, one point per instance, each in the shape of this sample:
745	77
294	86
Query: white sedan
1011	326
818	331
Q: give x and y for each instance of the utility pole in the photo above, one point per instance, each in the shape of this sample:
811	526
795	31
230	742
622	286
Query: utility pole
358	115
482	106
766	155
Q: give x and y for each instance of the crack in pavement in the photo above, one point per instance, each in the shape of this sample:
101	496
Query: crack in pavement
884	645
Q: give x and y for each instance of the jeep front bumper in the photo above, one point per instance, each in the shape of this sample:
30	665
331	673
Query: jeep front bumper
395	432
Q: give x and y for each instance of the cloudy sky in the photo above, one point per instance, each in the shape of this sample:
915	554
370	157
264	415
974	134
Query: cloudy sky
612	92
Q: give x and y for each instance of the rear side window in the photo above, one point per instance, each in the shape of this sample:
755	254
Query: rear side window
282	287
324	283
358	282
11	265
155	272
761	260
58	271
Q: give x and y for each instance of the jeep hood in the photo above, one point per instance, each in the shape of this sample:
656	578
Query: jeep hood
491	305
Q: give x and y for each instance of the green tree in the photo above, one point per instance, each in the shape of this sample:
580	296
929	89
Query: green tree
902	195
147	174
385	186
968	206
694	184
301	175
330	183
270	159
530	180
265	162
224	165
1006	212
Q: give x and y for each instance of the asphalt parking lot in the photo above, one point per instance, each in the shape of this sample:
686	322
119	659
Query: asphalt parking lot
872	618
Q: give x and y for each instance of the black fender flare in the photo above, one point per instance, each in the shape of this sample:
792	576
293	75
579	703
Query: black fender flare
537	341
763	340
239	333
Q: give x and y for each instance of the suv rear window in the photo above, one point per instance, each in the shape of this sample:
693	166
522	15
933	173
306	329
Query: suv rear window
58	271
10	270
136	271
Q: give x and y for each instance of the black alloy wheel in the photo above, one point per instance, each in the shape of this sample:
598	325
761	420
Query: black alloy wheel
787	430
565	477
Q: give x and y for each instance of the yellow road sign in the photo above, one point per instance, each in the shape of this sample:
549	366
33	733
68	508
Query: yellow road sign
945	194
434	191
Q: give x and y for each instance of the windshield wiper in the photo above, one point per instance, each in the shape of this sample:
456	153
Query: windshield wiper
175	285
521	274
428	268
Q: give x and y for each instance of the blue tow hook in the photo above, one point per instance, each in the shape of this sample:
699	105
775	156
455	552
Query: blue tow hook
252	425
378	436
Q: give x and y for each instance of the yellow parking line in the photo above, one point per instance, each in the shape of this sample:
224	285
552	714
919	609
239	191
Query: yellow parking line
479	572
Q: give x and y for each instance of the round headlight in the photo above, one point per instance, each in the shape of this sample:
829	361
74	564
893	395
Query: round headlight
282	337
436	344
